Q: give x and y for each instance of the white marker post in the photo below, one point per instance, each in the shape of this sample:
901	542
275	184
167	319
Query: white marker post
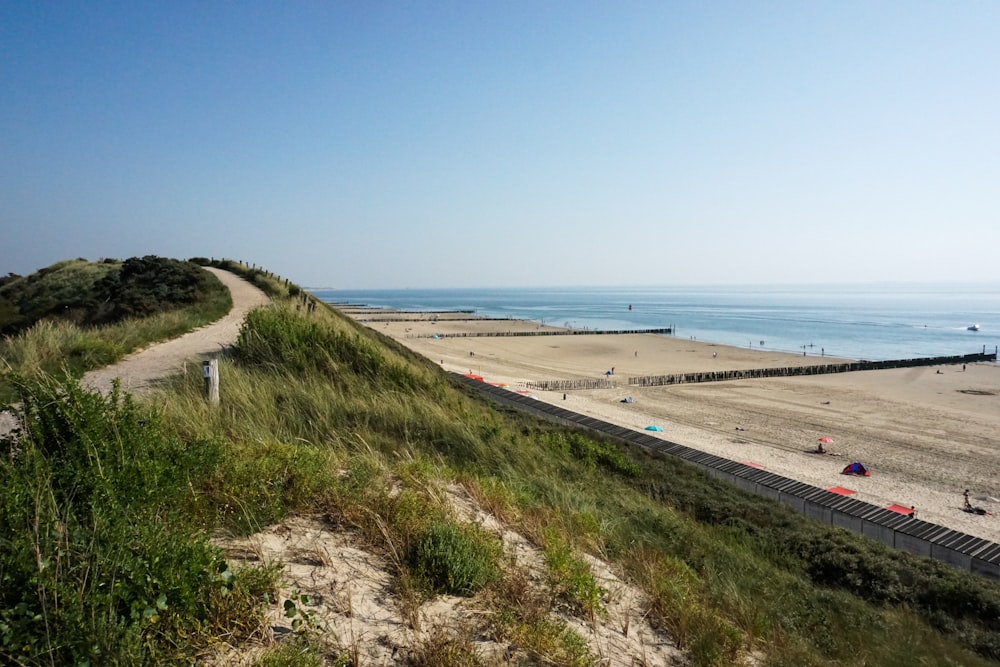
210	371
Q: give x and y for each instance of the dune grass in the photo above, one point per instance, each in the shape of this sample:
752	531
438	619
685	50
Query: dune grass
728	572
101	562
321	416
53	346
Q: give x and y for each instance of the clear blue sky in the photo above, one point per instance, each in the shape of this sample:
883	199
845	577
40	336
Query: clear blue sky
469	143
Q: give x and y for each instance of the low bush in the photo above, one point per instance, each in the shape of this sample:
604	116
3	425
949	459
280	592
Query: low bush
147	285
457	559
571	577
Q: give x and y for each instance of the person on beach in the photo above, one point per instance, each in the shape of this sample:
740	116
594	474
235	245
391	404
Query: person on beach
974	510
819	448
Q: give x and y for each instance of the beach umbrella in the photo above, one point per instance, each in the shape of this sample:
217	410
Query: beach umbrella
653	428
825	440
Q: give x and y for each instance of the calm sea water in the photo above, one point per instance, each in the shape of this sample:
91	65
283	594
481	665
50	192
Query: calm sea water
857	322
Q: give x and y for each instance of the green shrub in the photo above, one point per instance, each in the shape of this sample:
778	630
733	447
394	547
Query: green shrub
147	285
457	560
571	577
263	482
63	291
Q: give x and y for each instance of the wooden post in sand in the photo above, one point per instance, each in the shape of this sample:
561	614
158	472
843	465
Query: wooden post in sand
210	371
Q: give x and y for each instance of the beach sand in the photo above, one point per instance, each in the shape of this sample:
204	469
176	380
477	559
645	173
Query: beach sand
926	434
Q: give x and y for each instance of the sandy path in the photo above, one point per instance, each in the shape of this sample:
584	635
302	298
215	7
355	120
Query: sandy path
926	433
141	370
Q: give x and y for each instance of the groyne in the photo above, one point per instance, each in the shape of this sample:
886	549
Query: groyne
903	532
569	385
793	371
360	308
377	317
547	332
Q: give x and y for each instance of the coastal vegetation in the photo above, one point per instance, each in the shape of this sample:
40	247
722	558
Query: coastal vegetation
77	315
109	506
269	283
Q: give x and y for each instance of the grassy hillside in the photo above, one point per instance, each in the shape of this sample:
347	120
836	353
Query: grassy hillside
102	293
60	291
77	315
109	506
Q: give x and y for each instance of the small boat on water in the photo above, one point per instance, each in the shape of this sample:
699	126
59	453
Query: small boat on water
973	327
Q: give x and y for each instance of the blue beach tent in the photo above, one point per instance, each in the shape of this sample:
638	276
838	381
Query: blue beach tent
856	468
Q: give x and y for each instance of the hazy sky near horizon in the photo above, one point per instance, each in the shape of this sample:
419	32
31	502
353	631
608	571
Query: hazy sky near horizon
470	144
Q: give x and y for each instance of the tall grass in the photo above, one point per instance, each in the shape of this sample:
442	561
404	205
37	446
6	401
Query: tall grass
99	561
751	578
320	416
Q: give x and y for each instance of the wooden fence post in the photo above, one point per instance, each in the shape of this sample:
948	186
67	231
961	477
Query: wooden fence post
210	371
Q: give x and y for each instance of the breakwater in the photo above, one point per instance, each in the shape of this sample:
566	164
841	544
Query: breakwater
794	371
569	385
547	332
378	318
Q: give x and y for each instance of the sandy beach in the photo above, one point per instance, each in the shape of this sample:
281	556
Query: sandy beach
926	434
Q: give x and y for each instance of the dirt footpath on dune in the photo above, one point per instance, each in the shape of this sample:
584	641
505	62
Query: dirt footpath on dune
142	370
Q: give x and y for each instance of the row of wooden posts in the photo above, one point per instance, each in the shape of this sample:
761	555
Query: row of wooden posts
375	318
790	371
755	373
569	385
547	332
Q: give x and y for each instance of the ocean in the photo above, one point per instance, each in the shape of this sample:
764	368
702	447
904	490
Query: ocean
856	322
